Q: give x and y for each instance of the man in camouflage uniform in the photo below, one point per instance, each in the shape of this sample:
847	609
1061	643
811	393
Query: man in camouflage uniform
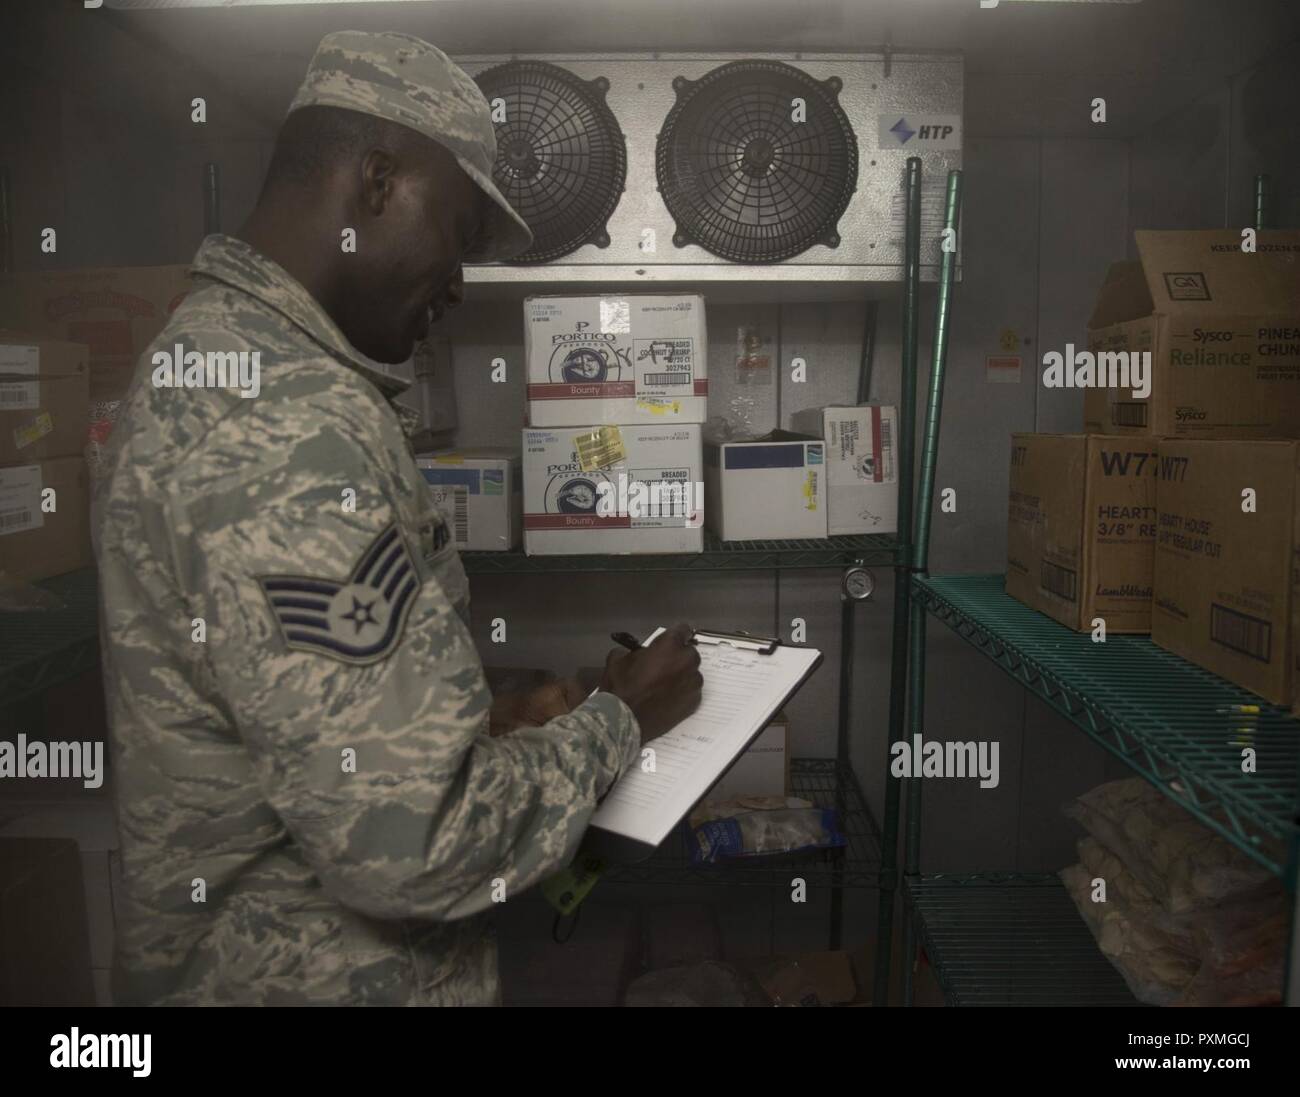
310	804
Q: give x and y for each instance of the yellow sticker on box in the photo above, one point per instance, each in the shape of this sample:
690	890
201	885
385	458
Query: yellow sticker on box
34	431
810	490
659	405
448	459
599	448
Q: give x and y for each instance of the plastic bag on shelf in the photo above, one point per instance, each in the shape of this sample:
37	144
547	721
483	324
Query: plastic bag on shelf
723	809
1182	863
754	833
1158	964
1244	949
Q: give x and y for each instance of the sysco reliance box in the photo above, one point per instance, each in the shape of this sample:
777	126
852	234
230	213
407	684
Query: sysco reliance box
1222	327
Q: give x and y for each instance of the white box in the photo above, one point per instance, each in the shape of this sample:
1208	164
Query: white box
635	358
762	770
569	510
479	492
861	465
773	487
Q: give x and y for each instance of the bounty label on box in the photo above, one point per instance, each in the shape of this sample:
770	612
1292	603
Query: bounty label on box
638	358
646	500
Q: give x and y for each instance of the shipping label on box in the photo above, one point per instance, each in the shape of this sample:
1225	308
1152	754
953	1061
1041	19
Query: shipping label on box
1222	327
1225	560
639	358
861	465
770	488
45	518
1081	528
646	498
479	490
43	399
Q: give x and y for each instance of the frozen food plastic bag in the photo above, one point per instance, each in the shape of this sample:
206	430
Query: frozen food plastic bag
1157	964
1181	862
786	830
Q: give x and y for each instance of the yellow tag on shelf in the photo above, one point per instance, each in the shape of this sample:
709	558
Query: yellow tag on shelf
599	448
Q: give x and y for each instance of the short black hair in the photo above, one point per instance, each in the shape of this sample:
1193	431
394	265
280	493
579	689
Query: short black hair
314	140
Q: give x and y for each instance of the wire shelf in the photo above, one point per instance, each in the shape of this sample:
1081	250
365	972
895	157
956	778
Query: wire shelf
821	780
40	648
1011	940
1156	711
831	552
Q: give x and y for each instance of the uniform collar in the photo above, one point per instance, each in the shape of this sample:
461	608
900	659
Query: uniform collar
231	261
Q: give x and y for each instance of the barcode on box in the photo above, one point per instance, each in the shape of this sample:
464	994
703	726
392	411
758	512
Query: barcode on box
14	521
1241	632
667	379
886	450
460	513
1128	415
1063	582
19	395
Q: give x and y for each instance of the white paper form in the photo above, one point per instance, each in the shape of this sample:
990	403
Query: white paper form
742	692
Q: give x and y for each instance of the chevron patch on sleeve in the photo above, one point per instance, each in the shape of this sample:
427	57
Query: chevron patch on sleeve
358	619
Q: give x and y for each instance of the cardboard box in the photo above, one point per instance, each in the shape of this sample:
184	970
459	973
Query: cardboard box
861	465
35	544
44	397
1225	592
810	979
642	494
480	492
774	487
115	311
1081	528
1223	330
635	358
762	770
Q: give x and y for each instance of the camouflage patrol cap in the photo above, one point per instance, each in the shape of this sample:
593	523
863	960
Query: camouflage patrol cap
406	80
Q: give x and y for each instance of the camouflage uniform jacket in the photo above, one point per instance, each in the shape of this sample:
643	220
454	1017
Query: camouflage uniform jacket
320	761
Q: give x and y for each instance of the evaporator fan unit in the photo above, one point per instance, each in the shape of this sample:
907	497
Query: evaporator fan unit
756	161
561	160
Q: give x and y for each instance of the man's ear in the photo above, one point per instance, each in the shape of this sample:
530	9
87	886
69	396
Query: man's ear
378	171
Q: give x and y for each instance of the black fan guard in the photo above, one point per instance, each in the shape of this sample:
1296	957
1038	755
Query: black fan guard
561	159
741	178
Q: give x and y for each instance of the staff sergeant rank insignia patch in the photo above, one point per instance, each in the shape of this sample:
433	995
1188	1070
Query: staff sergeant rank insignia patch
356	620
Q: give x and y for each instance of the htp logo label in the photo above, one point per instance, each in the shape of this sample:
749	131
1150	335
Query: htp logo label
921	132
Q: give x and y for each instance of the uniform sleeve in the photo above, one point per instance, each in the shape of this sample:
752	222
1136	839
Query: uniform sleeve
355	685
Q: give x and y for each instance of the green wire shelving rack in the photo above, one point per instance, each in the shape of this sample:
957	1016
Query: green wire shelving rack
1015	938
43	648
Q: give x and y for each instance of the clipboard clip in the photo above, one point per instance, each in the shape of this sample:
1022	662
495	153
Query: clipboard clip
745	641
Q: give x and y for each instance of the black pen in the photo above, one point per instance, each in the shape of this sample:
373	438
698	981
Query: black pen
626	639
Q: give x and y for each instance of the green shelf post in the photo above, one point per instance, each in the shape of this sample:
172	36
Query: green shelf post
921	546
902	578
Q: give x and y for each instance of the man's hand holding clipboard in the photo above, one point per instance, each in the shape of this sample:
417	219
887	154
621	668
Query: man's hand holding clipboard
660	682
